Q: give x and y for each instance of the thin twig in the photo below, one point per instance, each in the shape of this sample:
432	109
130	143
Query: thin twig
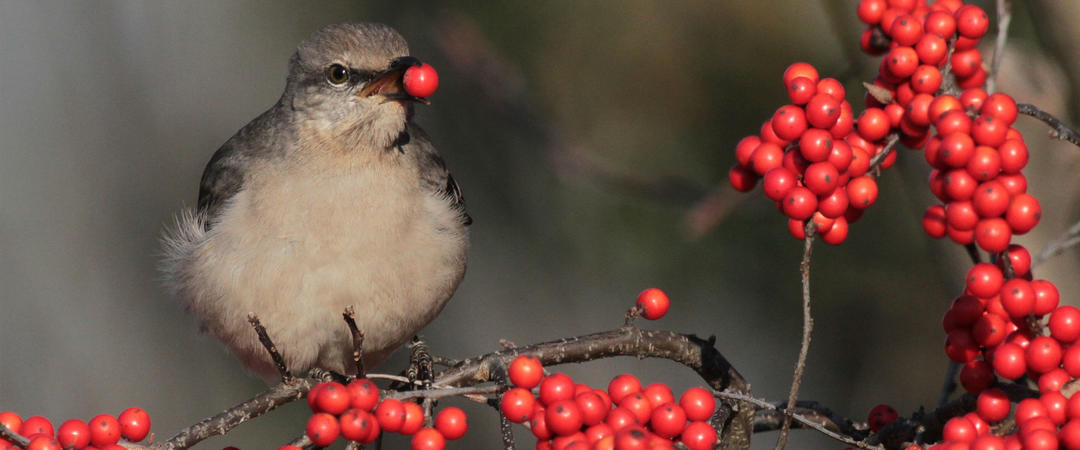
13	437
948	80
1058	128
286	376
1070	238
357	340
506	432
876	161
796	416
1004	16
807	328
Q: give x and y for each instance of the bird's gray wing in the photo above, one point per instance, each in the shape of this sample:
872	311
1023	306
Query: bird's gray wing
224	174
434	176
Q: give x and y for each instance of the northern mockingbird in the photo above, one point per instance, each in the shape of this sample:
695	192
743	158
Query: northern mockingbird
332	197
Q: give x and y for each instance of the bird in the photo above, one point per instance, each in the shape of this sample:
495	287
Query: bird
333	197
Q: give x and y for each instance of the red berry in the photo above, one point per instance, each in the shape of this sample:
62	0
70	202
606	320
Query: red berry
1023	213
961	215
993	235
658	394
43	442
593	408
563	417
1043	354
526	371
359	425
1054	380
822	111
1000	106
1046	297
870	11
778	182
420	81
1009	361
991	199
815	145
799	204
800	69
333	399
989	131
36	425
821	178
971	21
558	386
976	376
517	405
1014	155
654	303
668	420
698	436
905	30
800	90
993	405
989	330
73	434
741	178
134	424
451	423
414	418
985	280
323	429
862	192
698	403
1070	434
956	149
873	124
880	416
104	430
363	394
313	394
1065	324
966	63
958	429
391	414
1017	297
933	221
745	148
902	61
639	406
926	79
789	122
428	439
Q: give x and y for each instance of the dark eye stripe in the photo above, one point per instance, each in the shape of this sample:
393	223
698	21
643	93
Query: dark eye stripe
362	76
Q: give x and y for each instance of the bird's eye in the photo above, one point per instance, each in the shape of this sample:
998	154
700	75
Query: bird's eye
337	74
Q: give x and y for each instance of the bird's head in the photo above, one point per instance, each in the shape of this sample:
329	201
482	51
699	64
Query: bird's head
346	80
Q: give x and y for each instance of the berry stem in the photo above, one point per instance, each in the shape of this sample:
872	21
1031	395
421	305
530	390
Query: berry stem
808	326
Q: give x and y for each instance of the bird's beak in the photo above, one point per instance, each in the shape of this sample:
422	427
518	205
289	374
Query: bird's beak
389	83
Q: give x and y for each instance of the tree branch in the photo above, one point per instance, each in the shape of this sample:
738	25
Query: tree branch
691	351
803	419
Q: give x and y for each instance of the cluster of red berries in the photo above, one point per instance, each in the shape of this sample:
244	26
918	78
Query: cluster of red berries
567	415
355	413
103	432
976	154
811	160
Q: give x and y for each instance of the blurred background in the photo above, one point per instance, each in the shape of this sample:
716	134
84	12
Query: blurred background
592	141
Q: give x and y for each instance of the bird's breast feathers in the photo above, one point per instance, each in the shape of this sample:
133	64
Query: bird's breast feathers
342	231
